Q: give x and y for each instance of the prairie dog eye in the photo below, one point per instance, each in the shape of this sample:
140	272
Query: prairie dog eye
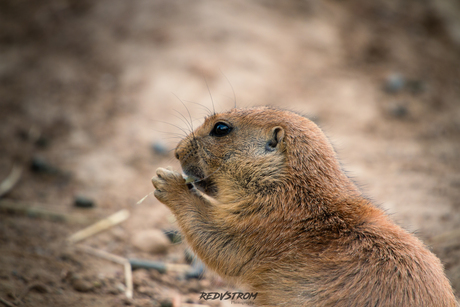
220	129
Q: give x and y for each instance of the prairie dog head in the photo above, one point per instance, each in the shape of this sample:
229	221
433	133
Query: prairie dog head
255	150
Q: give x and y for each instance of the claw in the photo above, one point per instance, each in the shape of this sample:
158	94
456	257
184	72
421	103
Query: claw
160	172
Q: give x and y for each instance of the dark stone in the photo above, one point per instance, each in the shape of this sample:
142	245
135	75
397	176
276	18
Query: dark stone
189	256
42	142
166	303
173	235
196	271
416	86
145	264
83	202
82	285
40	165
399	111
160	149
394	83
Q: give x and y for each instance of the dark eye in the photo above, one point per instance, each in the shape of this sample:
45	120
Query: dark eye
220	129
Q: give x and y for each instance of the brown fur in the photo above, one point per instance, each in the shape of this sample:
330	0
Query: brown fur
272	209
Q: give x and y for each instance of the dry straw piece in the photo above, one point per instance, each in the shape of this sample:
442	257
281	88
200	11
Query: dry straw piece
11	180
97	227
116	259
37	211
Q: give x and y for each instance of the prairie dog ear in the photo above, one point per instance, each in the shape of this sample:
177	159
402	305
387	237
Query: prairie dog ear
275	138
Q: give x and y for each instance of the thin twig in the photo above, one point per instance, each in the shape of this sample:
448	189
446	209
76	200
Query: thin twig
103	254
11	180
116	259
6	302
129	279
33	210
143	198
104	224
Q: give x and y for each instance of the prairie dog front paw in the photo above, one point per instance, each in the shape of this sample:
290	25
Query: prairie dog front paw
169	185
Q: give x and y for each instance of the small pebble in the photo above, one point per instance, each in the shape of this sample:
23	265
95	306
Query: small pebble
82	285
189	256
173	235
151	241
40	288
40	165
160	149
196	271
81	201
416	86
394	83
166	303
398	111
159	266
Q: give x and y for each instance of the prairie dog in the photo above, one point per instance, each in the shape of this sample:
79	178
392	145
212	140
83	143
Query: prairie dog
270	208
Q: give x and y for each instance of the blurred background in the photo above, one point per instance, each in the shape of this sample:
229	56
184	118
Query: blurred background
90	106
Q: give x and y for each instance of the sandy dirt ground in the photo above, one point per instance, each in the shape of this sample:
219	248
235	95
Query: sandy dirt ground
93	96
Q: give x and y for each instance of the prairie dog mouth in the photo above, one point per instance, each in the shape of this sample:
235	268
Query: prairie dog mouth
202	183
190	179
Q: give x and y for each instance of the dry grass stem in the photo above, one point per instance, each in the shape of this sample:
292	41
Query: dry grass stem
6	302
11	180
99	226
32	210
116	259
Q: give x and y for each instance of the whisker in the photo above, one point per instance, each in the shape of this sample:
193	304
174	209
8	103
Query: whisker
210	95
175	126
231	86
169	132
183	119
173	138
206	177
190	116
200	105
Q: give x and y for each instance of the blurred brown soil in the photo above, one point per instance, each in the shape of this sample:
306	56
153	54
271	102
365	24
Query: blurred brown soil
86	89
